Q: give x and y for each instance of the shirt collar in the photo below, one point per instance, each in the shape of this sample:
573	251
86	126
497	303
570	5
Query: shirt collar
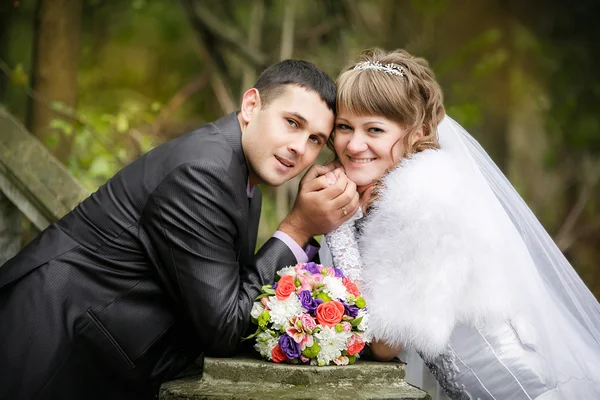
249	189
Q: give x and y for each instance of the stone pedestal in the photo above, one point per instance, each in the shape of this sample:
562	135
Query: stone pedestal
249	378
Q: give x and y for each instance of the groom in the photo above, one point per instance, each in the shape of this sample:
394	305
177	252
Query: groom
158	265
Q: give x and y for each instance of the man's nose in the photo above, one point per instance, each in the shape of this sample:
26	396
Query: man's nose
298	146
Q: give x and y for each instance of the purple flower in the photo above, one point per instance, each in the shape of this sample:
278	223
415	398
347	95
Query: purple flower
306	299
274	286
338	273
312	268
308	302
289	347
315	303
350	310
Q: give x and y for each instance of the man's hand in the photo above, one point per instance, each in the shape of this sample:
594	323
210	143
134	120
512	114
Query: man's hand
326	198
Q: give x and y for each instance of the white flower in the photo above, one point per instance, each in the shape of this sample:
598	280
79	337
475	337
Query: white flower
287	271
364	324
257	308
335	288
265	343
343	360
332	343
283	310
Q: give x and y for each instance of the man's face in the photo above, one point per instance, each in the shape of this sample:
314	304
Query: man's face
285	137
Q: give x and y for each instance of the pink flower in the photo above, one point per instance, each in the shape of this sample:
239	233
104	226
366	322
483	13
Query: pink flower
308	341
304	359
296	330
330	271
347	326
310	282
299	330
305	286
309	323
265	302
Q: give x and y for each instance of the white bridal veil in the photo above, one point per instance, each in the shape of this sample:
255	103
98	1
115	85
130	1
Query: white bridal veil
564	315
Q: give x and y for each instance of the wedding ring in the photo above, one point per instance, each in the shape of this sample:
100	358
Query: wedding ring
344	211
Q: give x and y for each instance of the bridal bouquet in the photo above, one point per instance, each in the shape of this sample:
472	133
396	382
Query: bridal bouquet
312	315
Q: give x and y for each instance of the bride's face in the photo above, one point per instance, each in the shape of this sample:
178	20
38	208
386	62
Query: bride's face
367	145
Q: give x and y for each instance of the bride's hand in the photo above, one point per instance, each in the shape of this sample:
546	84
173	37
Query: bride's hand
383	351
365	193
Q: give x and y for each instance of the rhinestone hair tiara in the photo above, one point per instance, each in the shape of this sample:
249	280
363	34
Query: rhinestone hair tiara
393	69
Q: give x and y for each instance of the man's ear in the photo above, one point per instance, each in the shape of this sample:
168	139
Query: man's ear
250	104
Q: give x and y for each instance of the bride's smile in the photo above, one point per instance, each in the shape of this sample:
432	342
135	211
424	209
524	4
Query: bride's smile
367	145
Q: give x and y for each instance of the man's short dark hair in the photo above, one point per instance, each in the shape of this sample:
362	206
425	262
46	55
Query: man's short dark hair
272	81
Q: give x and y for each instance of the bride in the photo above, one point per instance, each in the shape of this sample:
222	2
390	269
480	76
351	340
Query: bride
453	263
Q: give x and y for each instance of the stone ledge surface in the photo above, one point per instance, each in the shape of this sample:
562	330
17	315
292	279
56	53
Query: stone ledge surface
248	378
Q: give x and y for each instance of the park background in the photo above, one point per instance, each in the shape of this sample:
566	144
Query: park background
101	82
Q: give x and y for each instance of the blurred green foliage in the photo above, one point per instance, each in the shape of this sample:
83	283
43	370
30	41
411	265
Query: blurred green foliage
494	59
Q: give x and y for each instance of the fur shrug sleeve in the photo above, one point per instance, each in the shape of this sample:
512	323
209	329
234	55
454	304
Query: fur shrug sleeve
433	255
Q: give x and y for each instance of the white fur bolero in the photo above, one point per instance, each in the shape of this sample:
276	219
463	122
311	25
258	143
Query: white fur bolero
433	256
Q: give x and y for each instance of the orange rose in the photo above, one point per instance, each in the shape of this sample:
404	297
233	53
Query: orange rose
351	287
330	313
285	287
277	355
355	348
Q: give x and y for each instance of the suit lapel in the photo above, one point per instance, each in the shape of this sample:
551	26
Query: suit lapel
254	220
229	126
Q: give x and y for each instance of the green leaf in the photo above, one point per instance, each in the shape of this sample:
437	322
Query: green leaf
18	76
268	289
258	330
122	123
262	295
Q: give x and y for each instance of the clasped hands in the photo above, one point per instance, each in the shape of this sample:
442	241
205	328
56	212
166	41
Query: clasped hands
326	199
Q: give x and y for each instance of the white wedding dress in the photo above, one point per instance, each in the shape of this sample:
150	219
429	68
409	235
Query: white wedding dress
454	266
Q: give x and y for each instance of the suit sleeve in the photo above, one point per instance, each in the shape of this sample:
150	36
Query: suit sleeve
189	224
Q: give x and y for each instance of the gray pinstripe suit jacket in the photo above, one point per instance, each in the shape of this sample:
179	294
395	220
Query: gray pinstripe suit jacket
151	270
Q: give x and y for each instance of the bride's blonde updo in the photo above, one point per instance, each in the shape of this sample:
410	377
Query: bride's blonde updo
397	86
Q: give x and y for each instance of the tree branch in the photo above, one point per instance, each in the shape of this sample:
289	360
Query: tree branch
224	33
565	237
206	48
178	100
69	113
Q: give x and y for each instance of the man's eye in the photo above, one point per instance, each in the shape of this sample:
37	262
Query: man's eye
292	123
315	139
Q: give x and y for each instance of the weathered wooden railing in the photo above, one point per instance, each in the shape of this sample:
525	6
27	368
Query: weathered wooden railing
32	181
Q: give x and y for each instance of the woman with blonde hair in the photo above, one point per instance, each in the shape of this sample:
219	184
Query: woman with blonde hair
453	263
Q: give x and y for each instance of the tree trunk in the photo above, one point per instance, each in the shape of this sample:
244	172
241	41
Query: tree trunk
254	36
55	66
284	193
6	10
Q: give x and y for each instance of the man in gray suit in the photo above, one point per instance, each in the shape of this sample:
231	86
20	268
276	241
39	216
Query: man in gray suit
158	266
